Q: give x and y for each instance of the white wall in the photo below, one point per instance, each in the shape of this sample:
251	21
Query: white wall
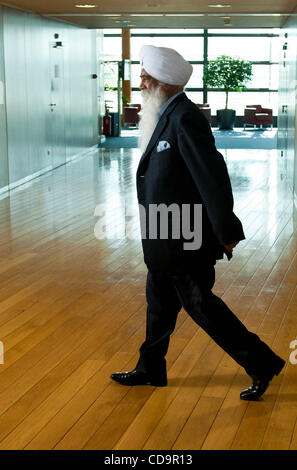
100	91
38	138
3	137
287	139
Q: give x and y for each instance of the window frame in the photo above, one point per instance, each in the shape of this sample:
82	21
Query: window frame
206	34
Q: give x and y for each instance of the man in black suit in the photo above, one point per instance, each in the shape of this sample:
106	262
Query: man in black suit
181	170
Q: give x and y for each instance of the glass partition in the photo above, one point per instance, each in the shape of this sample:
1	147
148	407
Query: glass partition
260	46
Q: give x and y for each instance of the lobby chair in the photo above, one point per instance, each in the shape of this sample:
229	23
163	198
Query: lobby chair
205	109
131	117
255	115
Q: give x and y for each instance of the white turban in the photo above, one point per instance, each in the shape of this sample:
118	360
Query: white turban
165	65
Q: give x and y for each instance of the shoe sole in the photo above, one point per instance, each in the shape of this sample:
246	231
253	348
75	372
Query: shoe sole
251	399
153	384
277	372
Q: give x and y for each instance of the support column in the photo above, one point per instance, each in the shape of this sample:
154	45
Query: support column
205	59
126	55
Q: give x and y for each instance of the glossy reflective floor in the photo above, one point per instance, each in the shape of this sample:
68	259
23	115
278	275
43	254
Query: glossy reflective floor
72	311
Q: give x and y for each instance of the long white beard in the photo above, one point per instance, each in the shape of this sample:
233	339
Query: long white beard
152	102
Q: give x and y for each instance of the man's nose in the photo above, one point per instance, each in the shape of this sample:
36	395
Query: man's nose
142	85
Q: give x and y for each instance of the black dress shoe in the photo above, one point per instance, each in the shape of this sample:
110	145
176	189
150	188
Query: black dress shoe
260	384
136	378
254	392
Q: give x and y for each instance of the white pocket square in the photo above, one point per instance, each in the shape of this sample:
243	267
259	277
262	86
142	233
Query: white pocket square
163	145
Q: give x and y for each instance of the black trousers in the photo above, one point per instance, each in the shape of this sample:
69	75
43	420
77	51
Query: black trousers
167	293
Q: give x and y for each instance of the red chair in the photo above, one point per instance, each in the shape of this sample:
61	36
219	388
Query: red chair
205	109
131	117
255	115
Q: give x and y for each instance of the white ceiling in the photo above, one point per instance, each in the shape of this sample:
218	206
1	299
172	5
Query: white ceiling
119	13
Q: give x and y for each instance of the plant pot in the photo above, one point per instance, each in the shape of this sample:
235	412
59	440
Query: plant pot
225	118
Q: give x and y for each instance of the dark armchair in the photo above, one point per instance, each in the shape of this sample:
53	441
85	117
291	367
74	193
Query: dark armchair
255	115
131	117
205	109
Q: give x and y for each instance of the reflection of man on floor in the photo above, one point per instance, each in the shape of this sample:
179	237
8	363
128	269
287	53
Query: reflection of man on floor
180	165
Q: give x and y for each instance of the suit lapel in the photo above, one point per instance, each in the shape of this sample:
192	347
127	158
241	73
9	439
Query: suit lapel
160	127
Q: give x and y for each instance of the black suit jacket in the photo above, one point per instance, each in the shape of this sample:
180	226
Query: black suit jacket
191	171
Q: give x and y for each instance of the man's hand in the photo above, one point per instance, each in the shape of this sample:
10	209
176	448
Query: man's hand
231	246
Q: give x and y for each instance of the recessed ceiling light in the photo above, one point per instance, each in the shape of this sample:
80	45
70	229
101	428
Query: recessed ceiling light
85	6
146	14
218	5
184	14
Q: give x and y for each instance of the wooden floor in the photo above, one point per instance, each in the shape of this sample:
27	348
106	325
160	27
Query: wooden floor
72	311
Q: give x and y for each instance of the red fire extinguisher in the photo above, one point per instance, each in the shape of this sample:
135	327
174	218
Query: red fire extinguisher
107	124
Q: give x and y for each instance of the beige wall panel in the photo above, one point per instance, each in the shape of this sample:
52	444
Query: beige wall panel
287	101
3	132
37	74
16	94
100	81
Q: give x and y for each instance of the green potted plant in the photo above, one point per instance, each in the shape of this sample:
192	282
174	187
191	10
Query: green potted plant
230	74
